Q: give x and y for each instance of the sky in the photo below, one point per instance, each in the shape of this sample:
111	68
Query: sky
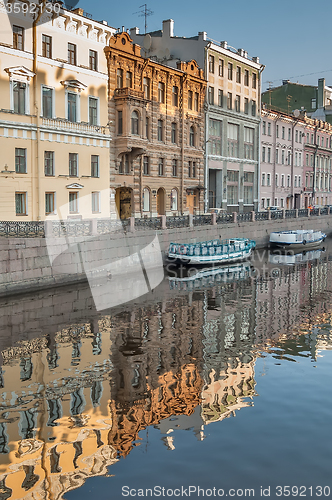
292	38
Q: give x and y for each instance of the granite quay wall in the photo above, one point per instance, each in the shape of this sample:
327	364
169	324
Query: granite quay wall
31	263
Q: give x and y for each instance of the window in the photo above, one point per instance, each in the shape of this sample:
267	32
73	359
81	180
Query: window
146	200
237	103
283	157
73	165
49	203
190	99
232	187
246	78
93	60
299	179
249	143
268	202
73	202
95	202
175	96
215	127
233	140
313	103
283	132
72	107
268	179
191	169
277	155
119	78
238	74
124	164
134	123
254	80
173	133
21	203
146	87
47	46
72	53
19	97
277	180
174	167
94	166
289	134
174	199
288	181
296	160
160	130
263	154
248	194
300	159
49	163
229	100
191	137
246	105
18	37
282	203
93	111
253	108
220	98
196	101
211	64
295	181
211	95
221	67
263	179
161	92
47	102
282	180
129	79
277	131
230	71
263	202
20	161
269	129
147	127
269	155
120	123
275	202
296	136
146	165
263	128
161	166
312	139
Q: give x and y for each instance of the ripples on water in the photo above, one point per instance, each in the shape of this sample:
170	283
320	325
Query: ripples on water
145	395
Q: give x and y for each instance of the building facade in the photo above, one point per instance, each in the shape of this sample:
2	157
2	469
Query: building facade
232	115
156	112
54	133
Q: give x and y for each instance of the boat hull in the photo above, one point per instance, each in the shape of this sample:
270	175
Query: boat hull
296	246
208	260
299	240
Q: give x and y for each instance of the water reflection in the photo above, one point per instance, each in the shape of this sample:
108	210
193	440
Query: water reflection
74	399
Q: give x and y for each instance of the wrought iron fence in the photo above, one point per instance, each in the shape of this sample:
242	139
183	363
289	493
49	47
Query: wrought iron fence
148	223
21	228
324	211
277	214
261	215
179	221
111	225
314	211
303	212
71	228
224	218
244	217
290	213
202	220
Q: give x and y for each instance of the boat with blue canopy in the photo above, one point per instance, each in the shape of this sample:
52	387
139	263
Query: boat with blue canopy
211	252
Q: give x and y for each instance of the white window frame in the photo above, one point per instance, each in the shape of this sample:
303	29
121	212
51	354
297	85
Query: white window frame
98	110
54	211
78	104
93	200
27	93
53	100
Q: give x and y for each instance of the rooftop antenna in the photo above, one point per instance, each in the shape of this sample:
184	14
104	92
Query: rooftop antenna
144	12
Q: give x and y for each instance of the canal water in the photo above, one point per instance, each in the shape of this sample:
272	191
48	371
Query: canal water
214	384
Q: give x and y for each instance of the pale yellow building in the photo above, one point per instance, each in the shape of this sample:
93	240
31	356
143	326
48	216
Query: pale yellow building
54	131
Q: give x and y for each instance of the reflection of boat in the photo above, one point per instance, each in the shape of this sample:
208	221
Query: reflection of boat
211	252
210	277
295	258
302	238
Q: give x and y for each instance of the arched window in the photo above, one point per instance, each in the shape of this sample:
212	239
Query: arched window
191	136
174	199
146	200
134	123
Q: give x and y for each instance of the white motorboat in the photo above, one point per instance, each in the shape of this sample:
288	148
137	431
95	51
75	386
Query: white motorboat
300	239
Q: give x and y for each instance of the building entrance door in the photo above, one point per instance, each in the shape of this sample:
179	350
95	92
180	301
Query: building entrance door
161	201
123	202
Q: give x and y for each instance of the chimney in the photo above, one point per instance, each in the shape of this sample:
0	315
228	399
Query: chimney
255	59
285	82
202	35
320	93
240	52
168	28
224	44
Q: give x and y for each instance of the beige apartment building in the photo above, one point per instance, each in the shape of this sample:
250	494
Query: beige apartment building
54	132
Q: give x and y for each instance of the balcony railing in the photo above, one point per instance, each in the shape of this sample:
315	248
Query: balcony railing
126	92
60	125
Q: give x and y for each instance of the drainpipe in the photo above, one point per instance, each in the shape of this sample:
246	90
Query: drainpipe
259	110
206	136
182	141
314	187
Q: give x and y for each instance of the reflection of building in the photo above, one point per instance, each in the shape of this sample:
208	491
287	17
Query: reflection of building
232	111
158	127
53	121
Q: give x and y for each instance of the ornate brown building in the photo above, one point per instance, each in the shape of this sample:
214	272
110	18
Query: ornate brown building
157	125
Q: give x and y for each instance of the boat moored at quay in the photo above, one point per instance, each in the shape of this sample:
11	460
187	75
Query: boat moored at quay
211	252
299	239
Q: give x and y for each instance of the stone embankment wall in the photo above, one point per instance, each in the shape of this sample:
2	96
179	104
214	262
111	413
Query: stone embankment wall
25	263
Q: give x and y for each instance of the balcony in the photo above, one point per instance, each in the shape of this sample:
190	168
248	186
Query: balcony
61	125
128	93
